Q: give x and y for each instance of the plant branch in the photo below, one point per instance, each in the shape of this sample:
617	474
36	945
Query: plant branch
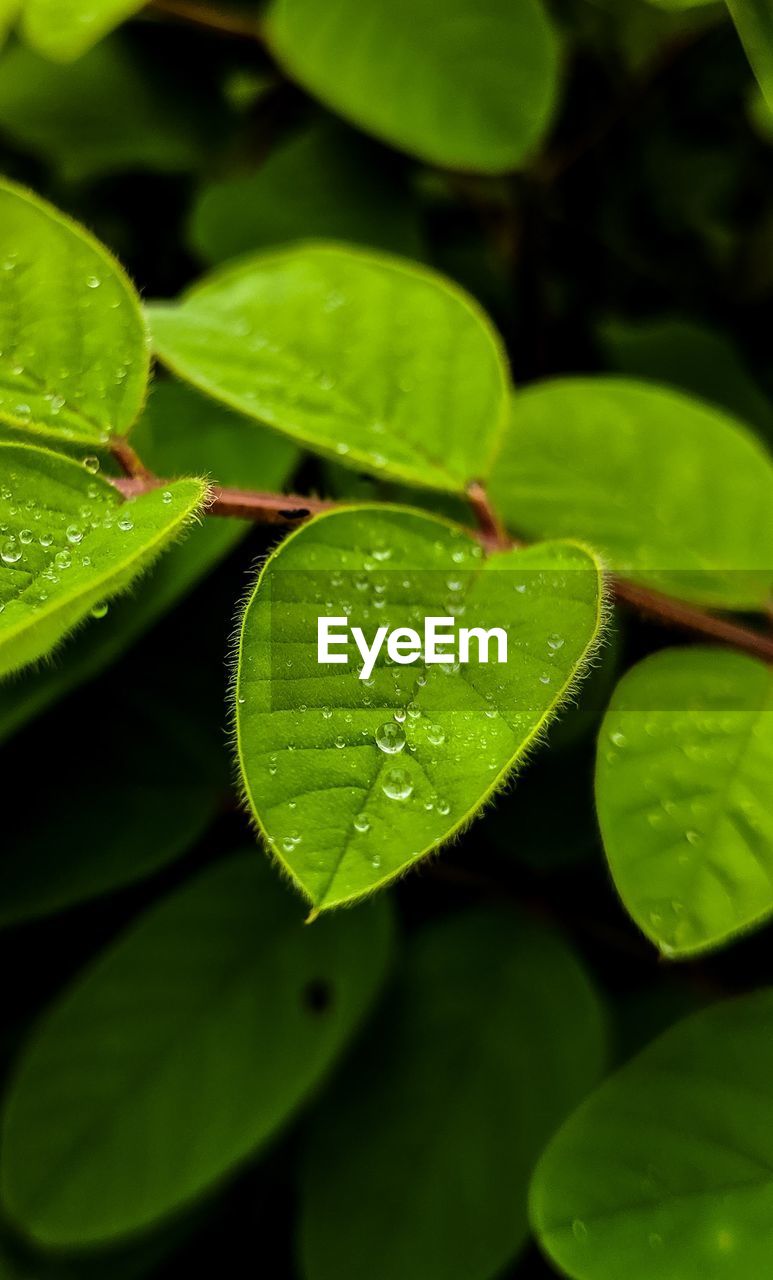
129	460
220	21
687	617
291	509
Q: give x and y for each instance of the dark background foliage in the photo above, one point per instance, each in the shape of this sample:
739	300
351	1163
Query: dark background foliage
638	239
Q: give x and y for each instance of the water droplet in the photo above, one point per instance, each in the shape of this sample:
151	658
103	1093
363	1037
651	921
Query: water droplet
443	808
618	739
99	610
166	496
397	784
25	537
93	282
361	822
693	837
579	1229
390	738
10	552
340	742
125	524
91	464
63	560
73	534
436	734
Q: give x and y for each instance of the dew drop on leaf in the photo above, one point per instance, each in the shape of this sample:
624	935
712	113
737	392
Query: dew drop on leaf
390	738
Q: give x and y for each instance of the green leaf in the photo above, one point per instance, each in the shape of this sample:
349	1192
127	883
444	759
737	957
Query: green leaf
8	13
343	814
103	115
70	542
179	1053
325	183
491	1036
666	1170
179	432
461	87
368	359
691	357
673	493
74	362
155	785
65	29
684	799
754	22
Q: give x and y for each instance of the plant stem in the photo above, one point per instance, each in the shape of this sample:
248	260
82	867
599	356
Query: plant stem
291	509
221	21
129	460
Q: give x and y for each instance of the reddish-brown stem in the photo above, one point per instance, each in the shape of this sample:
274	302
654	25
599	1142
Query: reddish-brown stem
687	617
493	532
264	508
128	460
290	509
219	21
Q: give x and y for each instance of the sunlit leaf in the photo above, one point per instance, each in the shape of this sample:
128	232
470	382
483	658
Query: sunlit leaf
65	29
353	781
179	433
684	796
70	542
367	359
460	86
74	362
672	492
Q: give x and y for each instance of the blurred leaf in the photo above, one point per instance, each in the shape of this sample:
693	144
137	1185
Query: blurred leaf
70	542
375	773
368	359
673	493
178	432
459	86
182	1050
492	1034
684	797
325	183
155	784
65	29
665	1170
754	22
8	13
692	358
102	115
74	360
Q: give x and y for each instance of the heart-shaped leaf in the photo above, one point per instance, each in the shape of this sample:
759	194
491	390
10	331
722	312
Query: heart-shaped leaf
370	360
64	29
74	356
460	87
70	542
179	1052
673	493
353	780
492	1034
666	1171
683	788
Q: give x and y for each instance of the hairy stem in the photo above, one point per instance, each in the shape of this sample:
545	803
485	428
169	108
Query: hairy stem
290	509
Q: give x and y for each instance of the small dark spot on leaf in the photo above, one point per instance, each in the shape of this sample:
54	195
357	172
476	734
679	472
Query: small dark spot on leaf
317	996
